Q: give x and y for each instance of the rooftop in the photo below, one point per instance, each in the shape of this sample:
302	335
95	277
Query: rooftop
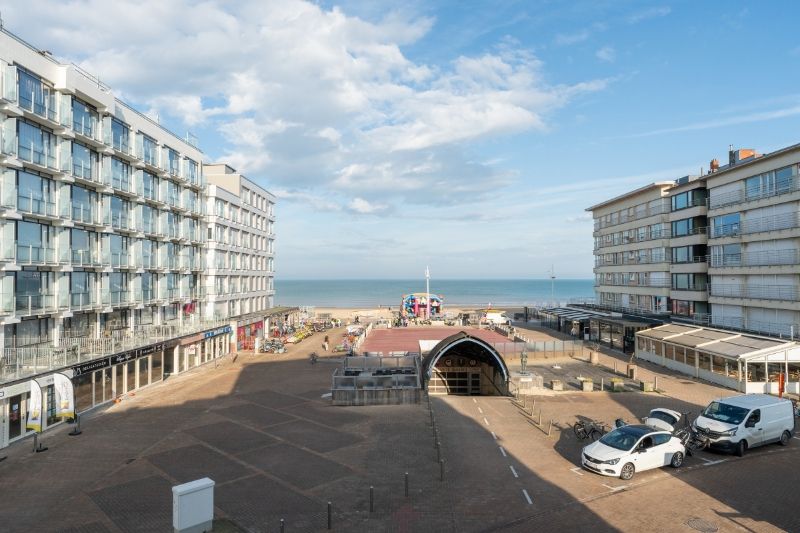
714	341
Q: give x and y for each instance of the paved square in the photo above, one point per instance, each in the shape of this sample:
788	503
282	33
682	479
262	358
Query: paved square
195	462
313	436
255	415
230	437
328	415
295	466
273	399
144	505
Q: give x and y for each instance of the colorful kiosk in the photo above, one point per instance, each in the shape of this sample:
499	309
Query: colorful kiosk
421	305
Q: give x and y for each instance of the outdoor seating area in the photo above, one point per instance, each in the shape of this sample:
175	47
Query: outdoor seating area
747	363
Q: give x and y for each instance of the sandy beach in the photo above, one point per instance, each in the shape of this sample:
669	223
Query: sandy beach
367	314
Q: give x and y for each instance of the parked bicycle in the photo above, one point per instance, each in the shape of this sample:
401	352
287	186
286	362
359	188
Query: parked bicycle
589	429
692	439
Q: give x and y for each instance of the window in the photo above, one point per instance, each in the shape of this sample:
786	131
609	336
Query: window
120	136
84	161
36	96
119	212
120	174
661	438
725	225
149	186
83	203
33	243
769	183
173	162
36	144
80	289
149	153
191	171
35	194
84	118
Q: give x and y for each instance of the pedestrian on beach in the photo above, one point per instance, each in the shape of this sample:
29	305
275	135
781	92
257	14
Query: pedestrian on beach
325	343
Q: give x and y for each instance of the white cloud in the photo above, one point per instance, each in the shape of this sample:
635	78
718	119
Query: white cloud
607	54
760	116
364	207
564	39
653	12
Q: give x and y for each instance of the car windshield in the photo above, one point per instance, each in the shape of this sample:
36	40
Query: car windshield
666	417
722	412
620	438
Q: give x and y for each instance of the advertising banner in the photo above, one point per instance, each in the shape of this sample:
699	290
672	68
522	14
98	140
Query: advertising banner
35	408
65	396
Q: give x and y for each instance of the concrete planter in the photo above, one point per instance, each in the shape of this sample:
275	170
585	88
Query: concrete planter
594	358
617	385
647	386
587	385
556	385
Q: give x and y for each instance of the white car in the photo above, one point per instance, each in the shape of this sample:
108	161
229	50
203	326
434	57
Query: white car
665	419
630	449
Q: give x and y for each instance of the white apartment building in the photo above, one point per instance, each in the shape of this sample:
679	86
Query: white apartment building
729	242
102	238
239	272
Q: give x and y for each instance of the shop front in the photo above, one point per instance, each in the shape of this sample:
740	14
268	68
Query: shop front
247	331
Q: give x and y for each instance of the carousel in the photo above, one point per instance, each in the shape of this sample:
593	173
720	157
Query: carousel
421	305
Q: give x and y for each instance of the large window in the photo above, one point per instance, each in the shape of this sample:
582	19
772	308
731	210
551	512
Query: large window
120	135
726	225
119	251
119	287
119	212
36	96
34	243
83	204
35	194
120	174
688	226
689	199
191	172
726	255
84	161
80	289
32	290
36	145
149	186
82	246
149	150
84	118
769	183
680	254
173	162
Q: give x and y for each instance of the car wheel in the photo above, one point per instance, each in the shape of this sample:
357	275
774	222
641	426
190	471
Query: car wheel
677	460
627	471
741	448
785	437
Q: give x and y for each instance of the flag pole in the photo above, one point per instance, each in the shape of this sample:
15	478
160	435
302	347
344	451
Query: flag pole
77	429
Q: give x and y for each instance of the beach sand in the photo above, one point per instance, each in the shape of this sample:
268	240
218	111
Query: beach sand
367	314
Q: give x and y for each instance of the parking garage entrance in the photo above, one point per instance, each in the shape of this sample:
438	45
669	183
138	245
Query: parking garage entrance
465	365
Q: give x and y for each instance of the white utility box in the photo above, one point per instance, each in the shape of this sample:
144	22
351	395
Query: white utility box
193	506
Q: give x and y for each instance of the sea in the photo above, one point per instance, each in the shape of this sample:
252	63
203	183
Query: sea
348	293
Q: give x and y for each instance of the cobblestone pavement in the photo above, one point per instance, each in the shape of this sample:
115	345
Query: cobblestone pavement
260	428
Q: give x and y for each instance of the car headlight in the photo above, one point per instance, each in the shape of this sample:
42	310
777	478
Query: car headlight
729	433
611	461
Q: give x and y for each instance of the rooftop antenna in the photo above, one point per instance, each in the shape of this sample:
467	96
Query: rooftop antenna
553	283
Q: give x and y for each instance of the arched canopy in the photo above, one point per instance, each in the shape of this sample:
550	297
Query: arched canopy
469	346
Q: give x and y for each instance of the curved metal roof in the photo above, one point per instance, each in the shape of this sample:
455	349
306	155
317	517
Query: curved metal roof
479	346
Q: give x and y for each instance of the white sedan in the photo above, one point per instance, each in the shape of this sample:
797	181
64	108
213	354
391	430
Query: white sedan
631	449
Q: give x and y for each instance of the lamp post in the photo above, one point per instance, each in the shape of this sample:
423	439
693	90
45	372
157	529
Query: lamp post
428	292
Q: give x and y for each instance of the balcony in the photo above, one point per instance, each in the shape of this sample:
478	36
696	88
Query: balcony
79	301
28	254
34	304
755	292
634	283
117	297
661	209
86	214
754	259
85	258
121	260
42	155
36	204
756	225
751	195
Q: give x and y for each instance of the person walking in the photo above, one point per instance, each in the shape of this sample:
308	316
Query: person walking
325	343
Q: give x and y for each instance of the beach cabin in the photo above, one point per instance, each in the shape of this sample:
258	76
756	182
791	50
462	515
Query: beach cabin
747	363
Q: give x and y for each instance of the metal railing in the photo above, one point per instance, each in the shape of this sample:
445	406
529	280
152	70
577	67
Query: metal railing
639	214
744	195
760	258
634	283
757	292
756	225
648	236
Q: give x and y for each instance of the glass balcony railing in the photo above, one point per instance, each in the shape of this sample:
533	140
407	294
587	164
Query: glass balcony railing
41	103
28	202
30	304
85	169
86	214
38	154
28	254
81	300
757	292
760	258
84	258
120	259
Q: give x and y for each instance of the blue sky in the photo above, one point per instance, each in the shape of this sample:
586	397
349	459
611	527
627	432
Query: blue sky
468	136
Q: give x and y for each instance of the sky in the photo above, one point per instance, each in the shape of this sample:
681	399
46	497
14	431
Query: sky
466	136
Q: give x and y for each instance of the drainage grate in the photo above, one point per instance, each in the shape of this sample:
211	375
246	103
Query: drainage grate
701	525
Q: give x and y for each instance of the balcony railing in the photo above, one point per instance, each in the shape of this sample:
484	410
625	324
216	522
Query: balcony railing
743	195
84	257
756	292
756	225
35	206
28	254
81	300
760	258
648	236
624	217
633	261
31	304
635	283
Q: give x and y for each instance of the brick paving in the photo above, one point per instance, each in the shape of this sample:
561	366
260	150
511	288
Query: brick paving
277	449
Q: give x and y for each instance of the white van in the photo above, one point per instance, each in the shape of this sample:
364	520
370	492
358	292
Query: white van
741	422
497	318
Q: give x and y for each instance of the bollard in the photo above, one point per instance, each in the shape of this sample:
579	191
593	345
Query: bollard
602	384
615	367
550	427
441	470
371	498
329	515
406	484
283	523
77	429
438	451
539	423
655	384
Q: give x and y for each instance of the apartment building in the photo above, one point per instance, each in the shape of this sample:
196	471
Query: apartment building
240	261
102	238
729	242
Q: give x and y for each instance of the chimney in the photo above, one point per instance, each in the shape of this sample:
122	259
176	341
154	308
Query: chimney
731	155
714	165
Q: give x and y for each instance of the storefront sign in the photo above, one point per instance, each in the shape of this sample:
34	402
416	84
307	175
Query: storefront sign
215	332
123	357
91	366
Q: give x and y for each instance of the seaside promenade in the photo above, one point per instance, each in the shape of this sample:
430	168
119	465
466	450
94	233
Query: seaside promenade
261	429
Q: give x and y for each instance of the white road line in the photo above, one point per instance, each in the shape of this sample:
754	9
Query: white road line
615	489
718	461
577	470
513	471
798	438
474	400
503	452
494	436
480	410
525	493
484	419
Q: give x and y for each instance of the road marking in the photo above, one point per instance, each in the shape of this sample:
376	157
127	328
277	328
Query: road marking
484	419
474	400
710	462
525	493
503	452
513	471
494	436
798	438
480	410
615	489
577	470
